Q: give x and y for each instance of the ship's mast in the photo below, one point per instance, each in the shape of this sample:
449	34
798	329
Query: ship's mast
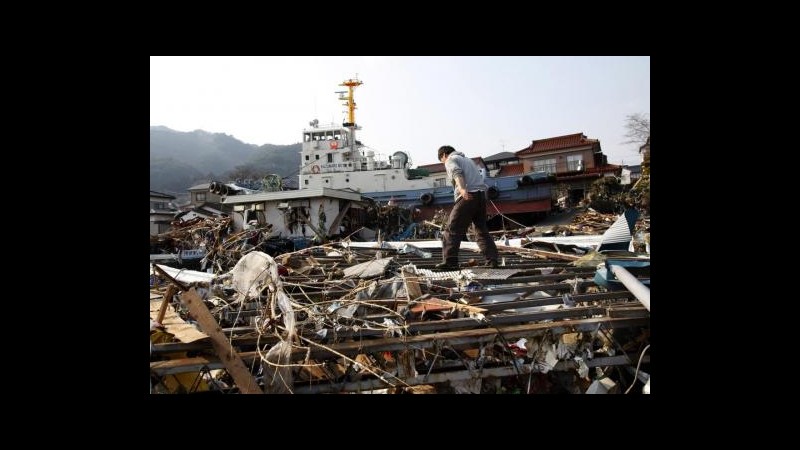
351	104
351	110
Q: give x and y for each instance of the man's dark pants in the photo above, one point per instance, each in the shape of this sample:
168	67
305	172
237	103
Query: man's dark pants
466	211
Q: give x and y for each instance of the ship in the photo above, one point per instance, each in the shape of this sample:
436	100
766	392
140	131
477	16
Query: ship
333	157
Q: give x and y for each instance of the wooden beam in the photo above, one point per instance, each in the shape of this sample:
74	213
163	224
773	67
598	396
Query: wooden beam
543	253
167	298
464	337
411	281
334	229
233	363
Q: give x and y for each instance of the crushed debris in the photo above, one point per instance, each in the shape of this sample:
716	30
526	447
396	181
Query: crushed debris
372	317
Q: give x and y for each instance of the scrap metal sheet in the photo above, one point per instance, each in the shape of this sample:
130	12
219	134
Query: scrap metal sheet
187	276
368	269
475	273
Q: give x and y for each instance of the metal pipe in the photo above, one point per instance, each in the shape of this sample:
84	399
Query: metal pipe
636	287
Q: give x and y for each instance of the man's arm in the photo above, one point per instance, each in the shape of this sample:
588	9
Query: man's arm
461	186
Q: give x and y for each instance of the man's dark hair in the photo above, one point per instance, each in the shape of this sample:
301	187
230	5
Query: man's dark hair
445	150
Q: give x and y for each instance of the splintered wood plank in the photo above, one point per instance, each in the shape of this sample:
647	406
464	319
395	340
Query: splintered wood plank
233	363
167	298
174	325
411	281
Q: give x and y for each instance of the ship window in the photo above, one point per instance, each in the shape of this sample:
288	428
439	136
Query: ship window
317	156
306	157
326	180
347	180
330	157
306	181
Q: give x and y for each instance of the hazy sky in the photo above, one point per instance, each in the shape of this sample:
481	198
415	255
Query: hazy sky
480	105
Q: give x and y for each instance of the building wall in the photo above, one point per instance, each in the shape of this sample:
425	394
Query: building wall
160	223
209	197
561	159
161	214
281	218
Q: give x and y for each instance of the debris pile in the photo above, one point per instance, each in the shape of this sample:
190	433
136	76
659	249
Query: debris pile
345	318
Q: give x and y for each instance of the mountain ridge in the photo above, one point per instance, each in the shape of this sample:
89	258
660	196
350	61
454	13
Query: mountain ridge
181	159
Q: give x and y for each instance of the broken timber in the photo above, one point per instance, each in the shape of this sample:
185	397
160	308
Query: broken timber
230	359
468	337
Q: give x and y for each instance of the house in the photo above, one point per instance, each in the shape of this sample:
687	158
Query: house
630	174
203	203
575	160
162	212
204	211
199	194
497	162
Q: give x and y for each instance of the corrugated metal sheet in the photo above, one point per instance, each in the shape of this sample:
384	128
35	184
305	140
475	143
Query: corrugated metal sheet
619	235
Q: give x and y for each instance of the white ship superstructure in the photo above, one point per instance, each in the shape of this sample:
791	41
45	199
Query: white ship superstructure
332	157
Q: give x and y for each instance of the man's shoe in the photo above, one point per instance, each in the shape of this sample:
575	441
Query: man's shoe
446	266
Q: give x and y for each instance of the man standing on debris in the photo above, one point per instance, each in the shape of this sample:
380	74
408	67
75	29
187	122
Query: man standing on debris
469	191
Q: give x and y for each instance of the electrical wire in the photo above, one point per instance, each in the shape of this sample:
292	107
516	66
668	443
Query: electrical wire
635	375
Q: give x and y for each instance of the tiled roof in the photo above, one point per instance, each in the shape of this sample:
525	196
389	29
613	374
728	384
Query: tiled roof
432	168
510	169
500	156
557	143
199	187
161	194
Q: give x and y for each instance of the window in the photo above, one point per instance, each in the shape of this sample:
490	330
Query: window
575	162
545	165
317	156
330	157
306	181
201	196
307	157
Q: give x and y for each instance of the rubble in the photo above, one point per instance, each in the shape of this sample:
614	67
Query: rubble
348	317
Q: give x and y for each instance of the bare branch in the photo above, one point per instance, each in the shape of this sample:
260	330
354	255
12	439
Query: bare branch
638	126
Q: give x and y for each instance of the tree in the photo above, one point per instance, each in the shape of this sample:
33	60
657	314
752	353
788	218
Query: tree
638	126
244	172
